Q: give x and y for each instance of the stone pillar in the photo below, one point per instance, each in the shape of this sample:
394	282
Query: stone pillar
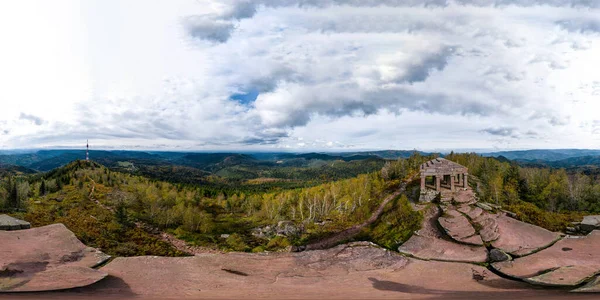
465	183
438	183
423	182
452	178
460	180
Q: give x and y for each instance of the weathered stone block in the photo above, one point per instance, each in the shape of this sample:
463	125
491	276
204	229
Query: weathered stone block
9	223
590	223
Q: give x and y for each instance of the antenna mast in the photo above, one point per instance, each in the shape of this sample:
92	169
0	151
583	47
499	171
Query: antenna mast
87	151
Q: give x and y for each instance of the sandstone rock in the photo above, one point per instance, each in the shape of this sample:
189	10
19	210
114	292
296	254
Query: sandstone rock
464	196
9	223
344	272
591	287
519	238
46	258
428	196
287	228
484	206
283	228
590	223
475	212
497	255
489	227
459	228
569	262
429	243
58	278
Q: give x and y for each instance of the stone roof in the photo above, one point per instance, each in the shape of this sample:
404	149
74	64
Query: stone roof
9	223
442	166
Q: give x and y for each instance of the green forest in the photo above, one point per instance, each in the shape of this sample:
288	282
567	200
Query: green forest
120	212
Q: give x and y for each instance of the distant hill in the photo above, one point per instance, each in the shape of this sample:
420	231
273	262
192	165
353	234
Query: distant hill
543	155
6	170
195	167
576	162
385	154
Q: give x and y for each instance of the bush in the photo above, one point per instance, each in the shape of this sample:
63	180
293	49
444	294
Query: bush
396	224
258	249
236	243
530	213
278	243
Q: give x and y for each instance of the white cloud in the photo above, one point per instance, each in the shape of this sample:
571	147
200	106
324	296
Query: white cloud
305	74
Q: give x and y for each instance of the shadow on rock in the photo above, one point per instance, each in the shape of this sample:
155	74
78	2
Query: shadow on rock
110	288
527	292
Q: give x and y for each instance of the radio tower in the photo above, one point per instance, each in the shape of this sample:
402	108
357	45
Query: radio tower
87	151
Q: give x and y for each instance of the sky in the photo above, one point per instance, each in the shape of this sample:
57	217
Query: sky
300	74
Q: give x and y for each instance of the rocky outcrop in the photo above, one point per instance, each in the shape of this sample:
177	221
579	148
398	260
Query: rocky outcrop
590	223
569	262
489	231
484	206
497	255
471	211
46	258
283	228
459	228
591	287
428	196
519	238
350	271
431	244
10	223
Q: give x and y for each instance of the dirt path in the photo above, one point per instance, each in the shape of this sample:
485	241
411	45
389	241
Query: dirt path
354	230
179	244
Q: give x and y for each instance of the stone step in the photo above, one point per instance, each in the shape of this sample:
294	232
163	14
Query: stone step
473	240
470	211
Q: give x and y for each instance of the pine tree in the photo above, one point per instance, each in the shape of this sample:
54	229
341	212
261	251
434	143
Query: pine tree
43	188
13	195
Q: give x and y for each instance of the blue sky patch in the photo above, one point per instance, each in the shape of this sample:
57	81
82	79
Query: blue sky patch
245	98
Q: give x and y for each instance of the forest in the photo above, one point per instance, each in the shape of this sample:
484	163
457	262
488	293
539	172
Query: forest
105	207
226	220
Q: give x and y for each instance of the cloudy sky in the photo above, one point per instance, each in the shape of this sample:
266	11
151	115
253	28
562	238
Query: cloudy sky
300	74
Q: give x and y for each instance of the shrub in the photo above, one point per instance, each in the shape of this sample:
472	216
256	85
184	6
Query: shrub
236	243
396	224
278	243
530	213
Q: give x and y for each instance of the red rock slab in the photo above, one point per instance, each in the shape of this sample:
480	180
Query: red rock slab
431	244
458	227
46	258
564	276
519	238
462	196
58	278
472	212
53	245
569	262
340	273
489	227
438	249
